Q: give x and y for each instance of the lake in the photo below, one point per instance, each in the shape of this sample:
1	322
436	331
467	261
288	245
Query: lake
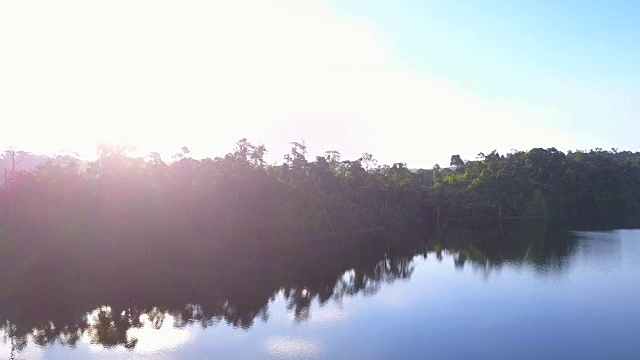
524	293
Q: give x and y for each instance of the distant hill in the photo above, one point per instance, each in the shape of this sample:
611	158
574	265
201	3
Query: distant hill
27	161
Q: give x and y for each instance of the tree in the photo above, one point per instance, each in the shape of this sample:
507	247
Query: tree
456	161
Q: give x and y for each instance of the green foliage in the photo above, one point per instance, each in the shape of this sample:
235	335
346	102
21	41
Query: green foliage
235	200
239	200
539	182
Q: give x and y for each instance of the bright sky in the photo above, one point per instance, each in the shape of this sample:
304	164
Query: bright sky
413	81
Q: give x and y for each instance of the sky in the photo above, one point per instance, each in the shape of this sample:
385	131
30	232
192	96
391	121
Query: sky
408	81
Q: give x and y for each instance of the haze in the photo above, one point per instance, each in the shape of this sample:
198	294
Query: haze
409	82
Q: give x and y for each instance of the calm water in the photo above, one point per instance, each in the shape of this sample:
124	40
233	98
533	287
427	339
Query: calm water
532	295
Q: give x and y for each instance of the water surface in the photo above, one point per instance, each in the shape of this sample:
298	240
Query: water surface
534	294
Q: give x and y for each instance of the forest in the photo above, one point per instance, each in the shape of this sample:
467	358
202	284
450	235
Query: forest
144	203
120	212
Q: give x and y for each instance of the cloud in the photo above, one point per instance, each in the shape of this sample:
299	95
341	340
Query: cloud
205	74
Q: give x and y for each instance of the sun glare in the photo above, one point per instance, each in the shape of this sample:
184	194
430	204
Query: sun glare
207	74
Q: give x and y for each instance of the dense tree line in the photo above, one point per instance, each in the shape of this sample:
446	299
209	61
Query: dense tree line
144	204
540	183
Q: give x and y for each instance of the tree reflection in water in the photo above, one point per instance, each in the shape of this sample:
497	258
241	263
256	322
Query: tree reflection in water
45	308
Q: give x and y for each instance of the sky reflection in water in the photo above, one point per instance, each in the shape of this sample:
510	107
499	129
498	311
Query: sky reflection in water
582	304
